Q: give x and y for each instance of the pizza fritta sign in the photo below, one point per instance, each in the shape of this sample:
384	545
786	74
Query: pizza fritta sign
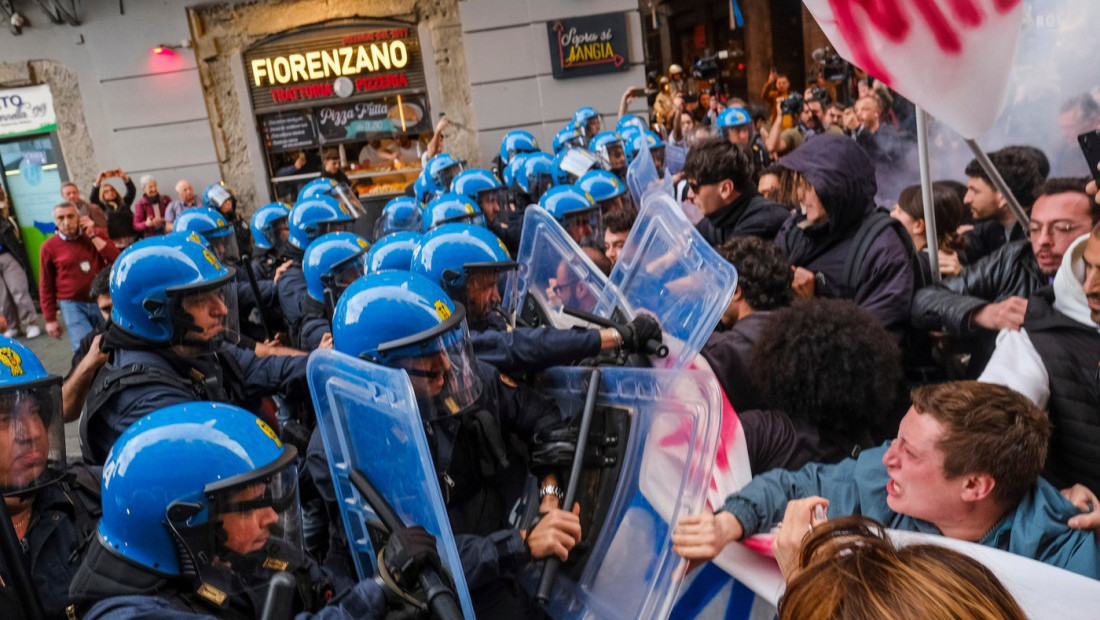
588	45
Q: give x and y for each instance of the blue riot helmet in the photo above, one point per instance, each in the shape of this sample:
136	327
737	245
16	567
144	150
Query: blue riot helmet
269	225
484	188
570	135
335	189
195	484
572	163
219	197
537	177
214	228
656	149
442	169
631	146
404	320
171	289
578	214
401	213
515	142
605	188
630	120
735	124
32	426
588	118
424	189
331	263
394	251
514	170
450	208
473	267
608	146
314	217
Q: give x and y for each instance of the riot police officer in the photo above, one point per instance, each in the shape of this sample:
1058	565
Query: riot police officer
735	124
166	343
331	263
269	238
474	268
310	218
486	190
200	513
474	418
219	197
53	508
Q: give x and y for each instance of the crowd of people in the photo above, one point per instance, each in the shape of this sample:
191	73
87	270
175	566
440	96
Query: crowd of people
964	408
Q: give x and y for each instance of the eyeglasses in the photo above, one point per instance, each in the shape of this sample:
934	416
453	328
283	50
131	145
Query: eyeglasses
1060	228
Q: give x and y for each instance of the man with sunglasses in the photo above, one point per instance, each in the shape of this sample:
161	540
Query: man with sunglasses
992	294
719	175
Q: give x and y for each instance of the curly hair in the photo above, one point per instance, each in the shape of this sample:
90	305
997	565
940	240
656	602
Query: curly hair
763	273
827	362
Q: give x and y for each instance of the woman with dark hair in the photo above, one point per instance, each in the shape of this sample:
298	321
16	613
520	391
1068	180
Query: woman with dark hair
949	211
849	568
829	373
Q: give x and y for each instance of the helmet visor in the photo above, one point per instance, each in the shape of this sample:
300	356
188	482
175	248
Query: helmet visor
658	154
447	175
349	199
209	315
388	223
277	231
492	201
612	155
223	243
323	228
542	182
259	511
343	273
444	374
491	293
32	437
218	195
585	227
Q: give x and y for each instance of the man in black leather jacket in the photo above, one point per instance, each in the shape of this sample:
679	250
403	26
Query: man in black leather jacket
991	295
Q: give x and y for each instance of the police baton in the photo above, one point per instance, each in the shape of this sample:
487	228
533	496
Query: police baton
280	596
441	598
21	579
550	568
652	347
246	263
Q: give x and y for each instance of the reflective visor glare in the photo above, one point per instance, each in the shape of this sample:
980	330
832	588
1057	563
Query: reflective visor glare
658	156
253	512
324	228
348	271
32	440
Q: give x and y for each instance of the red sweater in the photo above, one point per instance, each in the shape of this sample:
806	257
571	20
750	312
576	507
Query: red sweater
68	267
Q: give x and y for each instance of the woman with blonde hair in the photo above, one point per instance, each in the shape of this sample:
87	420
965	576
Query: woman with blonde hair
848	568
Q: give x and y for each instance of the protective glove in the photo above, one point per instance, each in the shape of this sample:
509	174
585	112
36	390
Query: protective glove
407	552
639	331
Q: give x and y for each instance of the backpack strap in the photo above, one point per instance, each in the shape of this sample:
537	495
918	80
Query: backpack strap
869	230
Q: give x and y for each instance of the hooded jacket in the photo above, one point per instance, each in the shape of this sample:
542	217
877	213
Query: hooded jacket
843	178
1054	360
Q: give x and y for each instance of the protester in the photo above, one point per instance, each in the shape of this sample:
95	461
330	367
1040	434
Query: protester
965	465
948	211
995	223
991	295
1054	357
849	568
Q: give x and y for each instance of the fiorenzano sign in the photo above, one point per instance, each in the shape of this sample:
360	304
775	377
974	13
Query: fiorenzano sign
332	62
588	45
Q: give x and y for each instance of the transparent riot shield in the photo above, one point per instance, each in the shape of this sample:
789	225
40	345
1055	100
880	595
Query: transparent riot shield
642	177
370	422
554	273
671	422
668	270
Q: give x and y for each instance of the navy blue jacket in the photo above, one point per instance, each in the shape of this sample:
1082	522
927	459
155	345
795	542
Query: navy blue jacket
124	405
526	349
841	174
363	602
291	289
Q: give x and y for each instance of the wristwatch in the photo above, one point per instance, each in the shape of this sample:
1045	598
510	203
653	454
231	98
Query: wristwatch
551	489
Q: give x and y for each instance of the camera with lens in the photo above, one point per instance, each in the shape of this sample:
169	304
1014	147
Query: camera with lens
818	93
792	105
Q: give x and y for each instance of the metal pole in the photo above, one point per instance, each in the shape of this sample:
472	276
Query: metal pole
999	183
926	195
